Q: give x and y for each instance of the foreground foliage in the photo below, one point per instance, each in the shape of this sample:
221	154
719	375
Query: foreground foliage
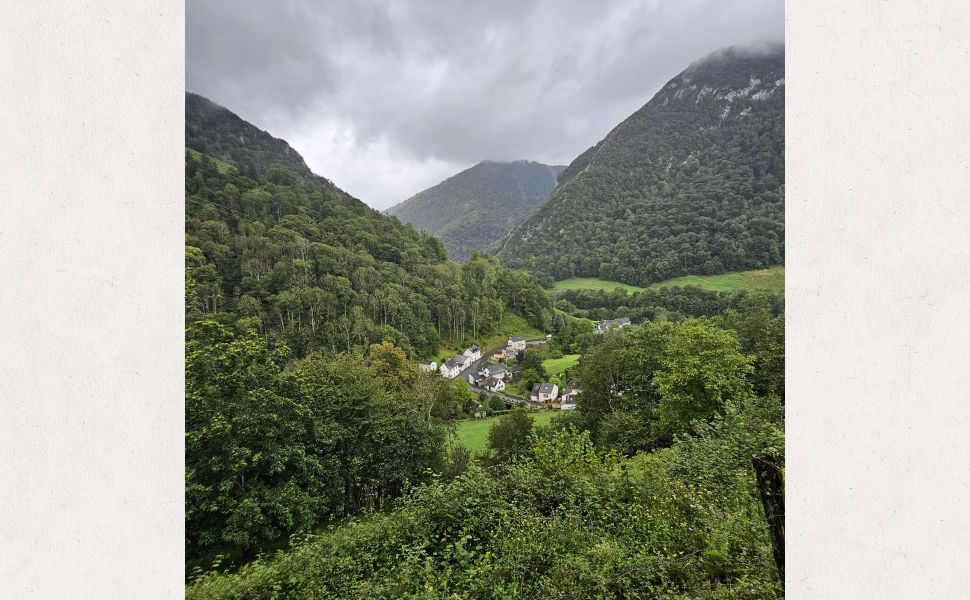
564	521
270	452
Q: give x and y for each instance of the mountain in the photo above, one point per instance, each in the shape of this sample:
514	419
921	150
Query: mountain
272	246
691	183
477	207
221	134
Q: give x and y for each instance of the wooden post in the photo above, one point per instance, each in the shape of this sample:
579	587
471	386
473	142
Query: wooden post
771	483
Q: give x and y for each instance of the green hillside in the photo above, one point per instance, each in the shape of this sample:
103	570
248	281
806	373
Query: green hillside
693	182
771	279
592	283
555	366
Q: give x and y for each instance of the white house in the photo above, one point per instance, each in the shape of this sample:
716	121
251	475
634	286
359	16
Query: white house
429	367
568	400
499	371
516	344
450	369
494	384
603	326
544	392
474	353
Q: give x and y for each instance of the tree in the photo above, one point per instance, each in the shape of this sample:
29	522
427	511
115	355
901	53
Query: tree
532	359
701	368
255	470
494	404
530	377
510	436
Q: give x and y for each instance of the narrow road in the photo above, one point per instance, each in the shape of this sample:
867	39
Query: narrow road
474	368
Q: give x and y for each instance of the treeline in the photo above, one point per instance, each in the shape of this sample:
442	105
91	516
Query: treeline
306	265
671	303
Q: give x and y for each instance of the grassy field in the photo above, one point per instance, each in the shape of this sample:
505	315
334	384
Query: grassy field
592	283
222	167
555	366
473	433
771	279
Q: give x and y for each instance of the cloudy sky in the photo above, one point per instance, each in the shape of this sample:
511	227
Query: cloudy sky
388	98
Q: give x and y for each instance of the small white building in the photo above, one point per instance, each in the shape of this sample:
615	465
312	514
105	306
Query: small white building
429	367
544	392
450	369
494	384
474	353
500	371
515	344
603	326
568	400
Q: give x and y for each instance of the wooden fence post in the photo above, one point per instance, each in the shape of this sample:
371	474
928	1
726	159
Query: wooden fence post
771	483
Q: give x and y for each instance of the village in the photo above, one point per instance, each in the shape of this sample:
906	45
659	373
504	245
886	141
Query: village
494	370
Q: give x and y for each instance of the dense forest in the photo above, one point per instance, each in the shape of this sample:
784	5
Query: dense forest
692	183
475	208
672	303
304	263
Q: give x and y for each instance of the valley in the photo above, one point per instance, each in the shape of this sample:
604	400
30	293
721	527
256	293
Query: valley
514	384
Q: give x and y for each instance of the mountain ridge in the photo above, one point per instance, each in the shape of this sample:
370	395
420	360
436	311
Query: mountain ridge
474	208
690	183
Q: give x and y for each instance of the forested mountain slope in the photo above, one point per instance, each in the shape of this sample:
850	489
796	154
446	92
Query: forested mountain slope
302	308
692	183
271	246
475	208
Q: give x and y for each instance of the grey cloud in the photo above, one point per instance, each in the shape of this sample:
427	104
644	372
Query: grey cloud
426	88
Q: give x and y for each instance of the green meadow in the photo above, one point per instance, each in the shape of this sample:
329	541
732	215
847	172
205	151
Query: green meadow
555	366
473	433
771	279
592	283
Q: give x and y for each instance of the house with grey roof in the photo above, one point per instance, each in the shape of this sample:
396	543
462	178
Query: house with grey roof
451	368
498	370
494	384
544	392
568	399
603	326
